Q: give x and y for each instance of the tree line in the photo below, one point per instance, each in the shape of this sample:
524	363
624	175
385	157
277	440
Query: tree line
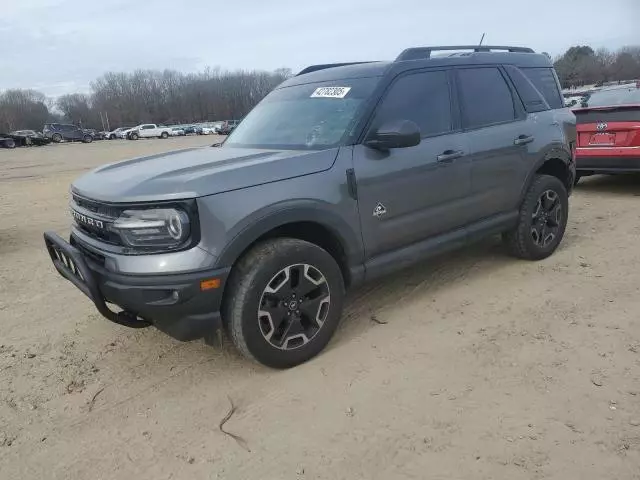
143	96
171	97
581	65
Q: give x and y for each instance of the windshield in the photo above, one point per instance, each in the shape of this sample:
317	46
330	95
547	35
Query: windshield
312	116
618	96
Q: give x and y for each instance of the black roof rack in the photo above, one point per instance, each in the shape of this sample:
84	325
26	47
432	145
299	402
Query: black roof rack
314	68
425	52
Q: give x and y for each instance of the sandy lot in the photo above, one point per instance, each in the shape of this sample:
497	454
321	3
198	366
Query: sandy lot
487	367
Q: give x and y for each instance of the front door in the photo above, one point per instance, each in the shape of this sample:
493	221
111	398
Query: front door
406	195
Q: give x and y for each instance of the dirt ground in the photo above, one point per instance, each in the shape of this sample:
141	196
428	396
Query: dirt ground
486	367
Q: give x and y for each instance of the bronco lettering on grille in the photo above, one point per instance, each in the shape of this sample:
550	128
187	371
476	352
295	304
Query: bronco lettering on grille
91	222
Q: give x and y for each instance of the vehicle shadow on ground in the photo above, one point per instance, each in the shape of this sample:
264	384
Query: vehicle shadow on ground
370	303
375	299
619	184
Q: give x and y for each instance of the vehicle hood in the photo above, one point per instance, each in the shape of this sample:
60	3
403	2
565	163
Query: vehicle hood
197	172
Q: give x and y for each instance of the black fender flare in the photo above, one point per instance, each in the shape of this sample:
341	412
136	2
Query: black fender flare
313	212
554	152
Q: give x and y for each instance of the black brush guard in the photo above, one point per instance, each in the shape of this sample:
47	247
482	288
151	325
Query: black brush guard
71	264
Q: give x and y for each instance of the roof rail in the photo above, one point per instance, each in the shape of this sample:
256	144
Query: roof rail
425	52
314	68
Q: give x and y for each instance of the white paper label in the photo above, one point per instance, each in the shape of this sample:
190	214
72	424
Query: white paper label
330	92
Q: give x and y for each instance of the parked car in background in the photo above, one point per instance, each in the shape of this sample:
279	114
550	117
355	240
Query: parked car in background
95	133
125	133
190	130
216	126
149	130
228	126
29	137
59	132
204	130
7	141
573	101
177	132
608	128
113	134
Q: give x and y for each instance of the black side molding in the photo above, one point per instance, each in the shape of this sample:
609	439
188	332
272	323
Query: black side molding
352	183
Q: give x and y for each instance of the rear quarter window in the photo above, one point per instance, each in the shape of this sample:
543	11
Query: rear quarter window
544	79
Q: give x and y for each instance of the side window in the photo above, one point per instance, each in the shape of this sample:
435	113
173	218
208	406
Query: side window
147	127
546	83
423	98
528	93
485	96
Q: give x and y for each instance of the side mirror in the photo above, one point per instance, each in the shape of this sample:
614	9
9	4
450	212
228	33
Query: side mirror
394	134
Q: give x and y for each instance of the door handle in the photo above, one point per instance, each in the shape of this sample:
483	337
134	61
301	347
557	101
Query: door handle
449	156
523	140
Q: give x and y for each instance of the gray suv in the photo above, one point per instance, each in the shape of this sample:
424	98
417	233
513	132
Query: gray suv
343	173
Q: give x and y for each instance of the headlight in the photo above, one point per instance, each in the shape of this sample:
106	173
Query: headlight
157	227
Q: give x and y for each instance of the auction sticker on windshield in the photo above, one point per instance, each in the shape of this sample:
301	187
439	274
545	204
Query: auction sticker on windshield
330	92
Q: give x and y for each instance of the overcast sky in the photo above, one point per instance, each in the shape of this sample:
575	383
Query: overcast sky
59	46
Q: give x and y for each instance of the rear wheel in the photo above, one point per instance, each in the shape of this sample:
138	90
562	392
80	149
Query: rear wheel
112	137
164	135
56	138
9	143
542	220
284	302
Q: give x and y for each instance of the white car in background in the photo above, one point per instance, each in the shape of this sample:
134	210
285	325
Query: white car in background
206	130
149	130
113	134
125	132
177	132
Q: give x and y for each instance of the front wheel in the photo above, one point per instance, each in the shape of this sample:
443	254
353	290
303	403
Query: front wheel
9	143
134	136
56	138
87	139
284	302
542	220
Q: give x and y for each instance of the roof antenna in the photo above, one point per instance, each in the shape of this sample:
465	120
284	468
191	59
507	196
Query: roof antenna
481	39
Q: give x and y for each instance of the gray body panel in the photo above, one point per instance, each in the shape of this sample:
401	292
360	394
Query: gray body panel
197	172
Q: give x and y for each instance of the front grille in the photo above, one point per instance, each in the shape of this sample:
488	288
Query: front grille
101	209
106	213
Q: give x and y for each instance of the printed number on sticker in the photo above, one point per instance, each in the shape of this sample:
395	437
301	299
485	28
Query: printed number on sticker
330	92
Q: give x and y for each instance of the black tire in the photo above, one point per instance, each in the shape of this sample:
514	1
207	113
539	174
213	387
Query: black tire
247	295
87	139
530	239
9	143
112	137
56	138
133	136
164	135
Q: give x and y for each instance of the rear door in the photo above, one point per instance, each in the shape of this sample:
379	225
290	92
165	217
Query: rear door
147	130
406	195
498	133
72	132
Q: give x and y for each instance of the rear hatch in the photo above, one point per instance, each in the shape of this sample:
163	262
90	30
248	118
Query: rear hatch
609	124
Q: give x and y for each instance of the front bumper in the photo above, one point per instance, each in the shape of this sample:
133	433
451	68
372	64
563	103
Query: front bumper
175	304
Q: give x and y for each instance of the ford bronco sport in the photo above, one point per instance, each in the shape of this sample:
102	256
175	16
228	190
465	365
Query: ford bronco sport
343	173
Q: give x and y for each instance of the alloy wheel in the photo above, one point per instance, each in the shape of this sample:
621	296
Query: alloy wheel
294	306
546	218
